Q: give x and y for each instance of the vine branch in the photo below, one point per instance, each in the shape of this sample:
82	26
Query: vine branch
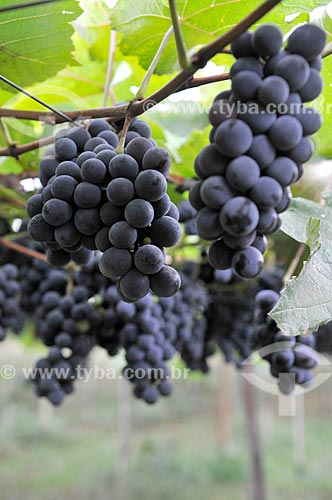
109	66
181	81
146	80
179	40
22	249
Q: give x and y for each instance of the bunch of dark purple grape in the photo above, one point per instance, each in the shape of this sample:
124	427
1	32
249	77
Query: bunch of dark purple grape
9	298
68	324
291	359
259	142
96	199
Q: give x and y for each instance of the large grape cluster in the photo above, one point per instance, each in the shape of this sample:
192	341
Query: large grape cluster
259	142
9	298
94	198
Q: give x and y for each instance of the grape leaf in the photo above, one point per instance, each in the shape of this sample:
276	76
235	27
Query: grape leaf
144	24
35	43
306	301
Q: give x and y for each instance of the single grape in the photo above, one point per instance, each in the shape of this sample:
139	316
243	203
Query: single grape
245	85
267	40
98	125
313	86
310	119
87	221
109	214
260	242
134	285
123	165
166	282
79	135
294	69
220	255
215	192
302	152
68	168
248	263
242	174
267	193
57	212
220	111
208	225
162	206
65	149
39	230
87	195
286	133
120	191
233	138
139	213
138	147
267	221
284	170
195	197
115	262
67	235
122	235
157	159
239	216
150	185
34	205
93	170
110	137
285	201
307	40
211	162
242	46
165	231
149	259
273	90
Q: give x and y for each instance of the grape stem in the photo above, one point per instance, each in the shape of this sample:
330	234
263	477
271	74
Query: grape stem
120	148
22	249
181	49
110	65
182	184
146	80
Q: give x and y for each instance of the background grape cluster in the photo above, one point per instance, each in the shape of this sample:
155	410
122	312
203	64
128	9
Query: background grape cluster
259	143
76	310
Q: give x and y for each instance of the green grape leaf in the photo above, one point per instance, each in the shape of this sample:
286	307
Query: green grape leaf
36	42
306	301
143	24
186	154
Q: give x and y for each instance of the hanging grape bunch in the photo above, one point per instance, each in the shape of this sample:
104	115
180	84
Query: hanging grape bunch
9	298
293	356
94	198
259	143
